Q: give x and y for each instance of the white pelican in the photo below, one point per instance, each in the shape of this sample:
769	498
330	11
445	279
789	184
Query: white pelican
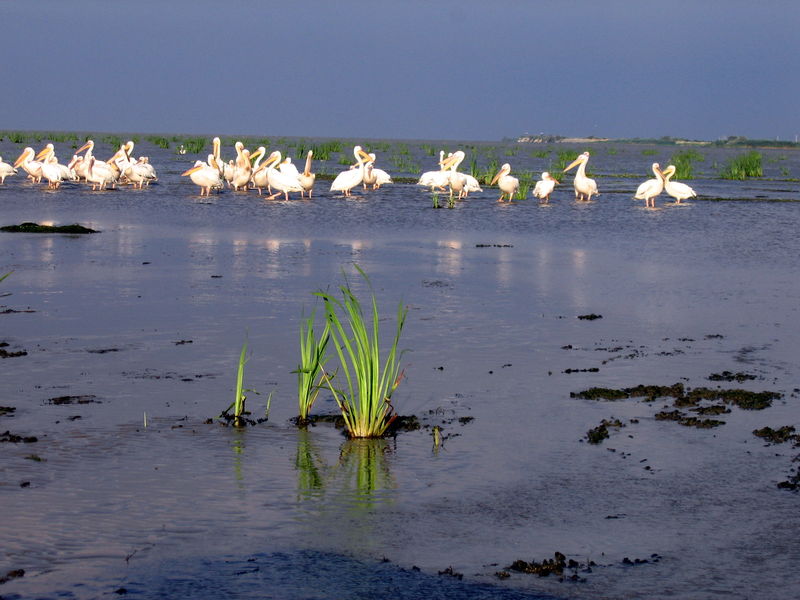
507	184
650	189
147	169
206	175
82	168
456	180
287	168
32	167
472	185
544	187
435	179
679	191
278	180
243	171
131	171
585	187
226	169
51	170
100	174
306	178
259	176
5	170
347	180
377	177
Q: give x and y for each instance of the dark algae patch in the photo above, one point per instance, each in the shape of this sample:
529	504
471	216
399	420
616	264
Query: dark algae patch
83	399
728	376
36	228
590	317
6	354
777	436
600	433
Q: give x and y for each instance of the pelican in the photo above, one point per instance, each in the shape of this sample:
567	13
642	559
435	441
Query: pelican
306	178
243	171
472	185
51	170
457	181
585	187
147	169
32	167
206	175
226	169
100	174
435	179
507	184
650	189
282	182
347	180
259	176
134	172
378	177
679	191
82	168
544	187
5	170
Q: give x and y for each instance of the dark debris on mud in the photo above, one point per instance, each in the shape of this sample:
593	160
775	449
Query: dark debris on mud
400	424
13	354
28	227
81	399
781	435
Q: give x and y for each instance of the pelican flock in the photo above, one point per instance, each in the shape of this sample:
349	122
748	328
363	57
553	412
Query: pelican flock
259	170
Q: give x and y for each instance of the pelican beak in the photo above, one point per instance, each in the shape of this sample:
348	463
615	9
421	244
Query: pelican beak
496	177
22	156
447	163
42	153
255	154
575	162
271	160
82	148
192	170
365	156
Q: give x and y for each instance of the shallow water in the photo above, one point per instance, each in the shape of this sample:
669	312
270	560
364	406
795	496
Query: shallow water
149	317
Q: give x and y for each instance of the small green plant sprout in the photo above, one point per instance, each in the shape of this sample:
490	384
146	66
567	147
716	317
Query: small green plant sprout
436	200
313	357
365	402
238	416
6	275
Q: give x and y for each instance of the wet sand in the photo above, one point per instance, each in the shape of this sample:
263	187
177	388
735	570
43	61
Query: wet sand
149	315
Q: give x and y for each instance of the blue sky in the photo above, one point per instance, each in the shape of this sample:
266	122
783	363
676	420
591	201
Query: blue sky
464	70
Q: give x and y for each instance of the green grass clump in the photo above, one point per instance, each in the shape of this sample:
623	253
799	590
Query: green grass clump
325	150
161	142
194	145
743	166
312	361
112	140
683	163
540	153
366	401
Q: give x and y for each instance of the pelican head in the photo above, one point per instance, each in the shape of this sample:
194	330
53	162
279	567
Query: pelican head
89	145
27	154
504	170
582	159
46	151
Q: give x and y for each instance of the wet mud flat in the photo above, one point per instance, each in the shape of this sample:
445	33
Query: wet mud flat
146	319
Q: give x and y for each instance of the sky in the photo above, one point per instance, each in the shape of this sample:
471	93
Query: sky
424	70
